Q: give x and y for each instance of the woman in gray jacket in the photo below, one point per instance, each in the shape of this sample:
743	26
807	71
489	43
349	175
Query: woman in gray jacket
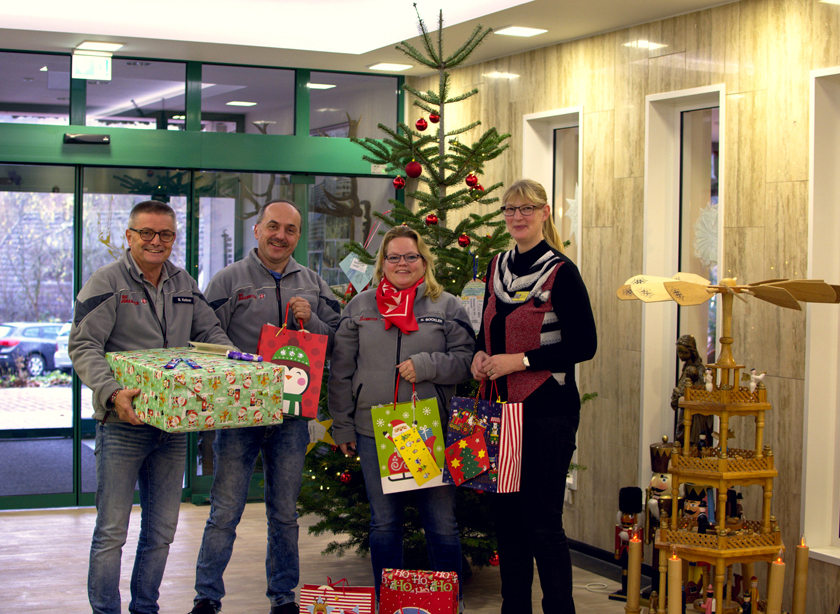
409	326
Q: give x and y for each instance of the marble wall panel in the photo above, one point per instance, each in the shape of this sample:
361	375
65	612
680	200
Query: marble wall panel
754	19
825	35
726	21
670	33
788	92
823	587
625	432
630	196
598	169
666	73
631	69
745	171
599	59
703	62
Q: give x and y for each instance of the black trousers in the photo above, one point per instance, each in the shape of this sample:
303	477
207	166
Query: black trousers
529	523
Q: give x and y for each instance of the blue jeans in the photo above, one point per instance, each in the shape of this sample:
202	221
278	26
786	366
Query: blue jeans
126	455
437	512
235	452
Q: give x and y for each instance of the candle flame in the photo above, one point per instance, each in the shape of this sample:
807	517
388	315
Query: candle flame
674	553
635	535
802	541
779	557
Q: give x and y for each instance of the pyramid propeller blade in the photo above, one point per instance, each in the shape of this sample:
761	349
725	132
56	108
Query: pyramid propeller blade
777	296
686	293
808	290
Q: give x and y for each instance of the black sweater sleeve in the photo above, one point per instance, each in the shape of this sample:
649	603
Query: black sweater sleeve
579	341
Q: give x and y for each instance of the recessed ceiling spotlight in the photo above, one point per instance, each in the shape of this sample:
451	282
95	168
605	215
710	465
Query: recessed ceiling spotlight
643	44
390	67
519	31
241	103
179	117
320	86
98	46
44	69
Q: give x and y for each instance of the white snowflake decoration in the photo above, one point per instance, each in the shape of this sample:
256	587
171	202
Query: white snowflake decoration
573	212
405	416
435	423
426	411
706	236
438	447
380	423
383	468
381	446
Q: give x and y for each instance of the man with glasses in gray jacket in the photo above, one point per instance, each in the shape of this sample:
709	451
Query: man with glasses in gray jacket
142	301
246	295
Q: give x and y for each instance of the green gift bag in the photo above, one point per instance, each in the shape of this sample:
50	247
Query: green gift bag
390	421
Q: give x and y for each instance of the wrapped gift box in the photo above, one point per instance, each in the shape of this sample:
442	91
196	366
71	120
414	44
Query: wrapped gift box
223	393
418	591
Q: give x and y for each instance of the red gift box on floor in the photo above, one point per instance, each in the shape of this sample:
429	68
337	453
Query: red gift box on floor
418	592
337	598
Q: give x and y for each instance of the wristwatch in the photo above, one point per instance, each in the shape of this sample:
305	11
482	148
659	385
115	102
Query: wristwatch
526	362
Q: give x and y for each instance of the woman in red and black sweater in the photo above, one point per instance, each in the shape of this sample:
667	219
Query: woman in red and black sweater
537	324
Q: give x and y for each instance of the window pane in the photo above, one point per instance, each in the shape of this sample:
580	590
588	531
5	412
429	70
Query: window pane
36	288
34	88
340	210
110	194
354	107
244	99
140	94
566	208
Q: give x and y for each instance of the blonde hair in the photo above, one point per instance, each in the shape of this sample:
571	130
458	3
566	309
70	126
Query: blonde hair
433	288
532	191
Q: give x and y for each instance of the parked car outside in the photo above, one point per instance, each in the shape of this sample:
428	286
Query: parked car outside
32	341
61	360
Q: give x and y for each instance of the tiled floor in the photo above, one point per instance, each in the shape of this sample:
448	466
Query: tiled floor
44	553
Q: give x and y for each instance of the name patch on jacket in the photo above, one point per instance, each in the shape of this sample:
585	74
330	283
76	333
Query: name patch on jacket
431	319
126	299
368	319
183	299
242	296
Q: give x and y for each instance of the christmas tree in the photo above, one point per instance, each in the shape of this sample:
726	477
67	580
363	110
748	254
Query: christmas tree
443	171
447	166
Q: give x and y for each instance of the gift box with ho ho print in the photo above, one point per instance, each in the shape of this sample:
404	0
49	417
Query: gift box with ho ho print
218	393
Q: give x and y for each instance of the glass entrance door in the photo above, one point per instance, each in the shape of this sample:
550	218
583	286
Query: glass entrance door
36	300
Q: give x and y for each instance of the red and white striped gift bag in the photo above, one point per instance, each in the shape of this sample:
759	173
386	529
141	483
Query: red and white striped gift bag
510	448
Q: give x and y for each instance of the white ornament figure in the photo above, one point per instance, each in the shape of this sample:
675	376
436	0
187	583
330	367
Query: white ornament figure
755	379
709	379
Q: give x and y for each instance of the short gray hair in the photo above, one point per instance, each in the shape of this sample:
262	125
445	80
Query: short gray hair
151	206
261	211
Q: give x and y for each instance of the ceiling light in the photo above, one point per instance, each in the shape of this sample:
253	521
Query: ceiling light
500	75
519	31
44	69
643	44
830	1
320	86
241	103
179	117
390	67
98	46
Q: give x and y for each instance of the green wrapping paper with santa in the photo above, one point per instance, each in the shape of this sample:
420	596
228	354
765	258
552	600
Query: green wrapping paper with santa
303	355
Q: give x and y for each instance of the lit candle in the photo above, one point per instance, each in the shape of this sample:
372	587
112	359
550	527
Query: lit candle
634	572
775	585
800	578
674	583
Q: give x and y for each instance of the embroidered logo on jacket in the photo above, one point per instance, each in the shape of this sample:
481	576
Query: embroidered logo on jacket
125	299
371	319
243	297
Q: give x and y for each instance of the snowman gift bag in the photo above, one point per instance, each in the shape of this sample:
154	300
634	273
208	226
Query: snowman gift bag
409	444
303	354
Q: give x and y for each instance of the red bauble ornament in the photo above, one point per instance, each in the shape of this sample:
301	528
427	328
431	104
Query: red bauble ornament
431	219
494	559
421	124
346	477
471	180
434	118
335	448
463	240
413	169
399	182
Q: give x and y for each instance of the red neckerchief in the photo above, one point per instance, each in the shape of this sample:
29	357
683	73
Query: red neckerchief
397	306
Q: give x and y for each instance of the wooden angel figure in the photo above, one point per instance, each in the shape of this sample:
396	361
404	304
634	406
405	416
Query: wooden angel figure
709	378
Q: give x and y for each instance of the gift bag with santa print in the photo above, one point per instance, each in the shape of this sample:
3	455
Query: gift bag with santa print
418	592
409	444
484	444
303	354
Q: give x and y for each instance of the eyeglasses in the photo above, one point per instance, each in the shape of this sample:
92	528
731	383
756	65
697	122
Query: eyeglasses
409	258
525	210
147	234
